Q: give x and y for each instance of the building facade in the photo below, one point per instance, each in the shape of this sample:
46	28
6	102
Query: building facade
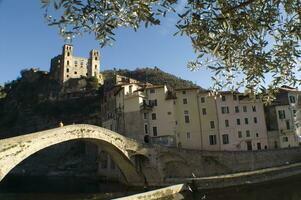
140	111
66	66
185	118
229	122
281	119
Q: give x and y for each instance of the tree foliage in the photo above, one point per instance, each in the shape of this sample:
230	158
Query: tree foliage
92	83
241	41
2	92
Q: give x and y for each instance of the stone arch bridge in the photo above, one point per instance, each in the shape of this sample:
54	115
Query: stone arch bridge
121	149
147	164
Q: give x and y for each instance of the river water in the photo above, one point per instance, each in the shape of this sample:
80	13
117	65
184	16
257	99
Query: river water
43	188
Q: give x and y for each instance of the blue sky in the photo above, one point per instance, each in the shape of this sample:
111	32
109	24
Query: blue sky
26	41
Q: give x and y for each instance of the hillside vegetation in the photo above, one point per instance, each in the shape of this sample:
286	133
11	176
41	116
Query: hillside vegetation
154	76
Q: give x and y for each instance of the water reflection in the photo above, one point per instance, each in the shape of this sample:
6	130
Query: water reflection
43	188
289	189
57	188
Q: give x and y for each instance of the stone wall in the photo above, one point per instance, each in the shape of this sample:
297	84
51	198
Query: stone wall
183	163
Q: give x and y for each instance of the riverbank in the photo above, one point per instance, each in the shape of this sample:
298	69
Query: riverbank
242	178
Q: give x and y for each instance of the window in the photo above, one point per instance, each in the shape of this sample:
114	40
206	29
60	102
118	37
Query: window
212	139
95	66
67	76
288	124
292	99
225	109
130	89
169	113
67	62
223	98
248	133
153	102
236	109
185	112
113	166
183	92
152	91
184	101
188	135
104	164
212	124
239	133
246	121
257	135
281	114
202	99
186	117
285	139
244	108
154	116
145	129
234	97
155	131
144	115
238	121
225	139
294	112
254	108
68	54
75	72
255	120
67	70
227	123
204	111
259	146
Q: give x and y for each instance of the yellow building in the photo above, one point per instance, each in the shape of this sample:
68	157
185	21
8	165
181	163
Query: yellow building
192	118
189	134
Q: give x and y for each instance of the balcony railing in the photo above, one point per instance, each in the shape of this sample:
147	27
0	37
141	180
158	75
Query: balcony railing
146	107
166	140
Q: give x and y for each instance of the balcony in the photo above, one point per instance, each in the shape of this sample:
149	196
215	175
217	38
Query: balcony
146	107
166	140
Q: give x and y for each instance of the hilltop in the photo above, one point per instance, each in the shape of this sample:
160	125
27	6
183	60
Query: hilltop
152	75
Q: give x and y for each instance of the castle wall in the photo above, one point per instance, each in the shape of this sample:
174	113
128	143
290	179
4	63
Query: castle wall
66	66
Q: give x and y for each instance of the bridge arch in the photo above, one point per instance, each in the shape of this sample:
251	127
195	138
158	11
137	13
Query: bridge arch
15	150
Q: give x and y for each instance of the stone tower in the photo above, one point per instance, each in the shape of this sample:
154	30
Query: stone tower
93	67
67	60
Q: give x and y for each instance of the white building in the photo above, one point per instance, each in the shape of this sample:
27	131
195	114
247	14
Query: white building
281	119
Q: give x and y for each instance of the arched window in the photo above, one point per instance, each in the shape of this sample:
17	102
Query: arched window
67	62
